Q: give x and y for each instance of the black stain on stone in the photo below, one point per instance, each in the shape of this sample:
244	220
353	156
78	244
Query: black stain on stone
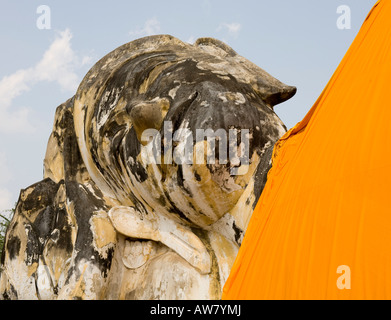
12	294
13	246
181	181
85	204
238	232
174	209
260	177
42	193
197	176
215	270
130	150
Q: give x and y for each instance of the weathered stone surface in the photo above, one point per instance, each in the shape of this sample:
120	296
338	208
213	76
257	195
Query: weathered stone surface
106	223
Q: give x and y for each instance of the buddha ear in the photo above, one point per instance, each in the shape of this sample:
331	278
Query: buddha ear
269	89
148	115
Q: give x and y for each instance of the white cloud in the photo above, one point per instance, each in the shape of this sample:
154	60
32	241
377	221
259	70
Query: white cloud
6	198
233	29
58	64
151	27
11	87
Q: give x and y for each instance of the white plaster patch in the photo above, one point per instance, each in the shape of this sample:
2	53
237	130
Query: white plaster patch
173	91
106	115
224	77
239	98
222	97
44	283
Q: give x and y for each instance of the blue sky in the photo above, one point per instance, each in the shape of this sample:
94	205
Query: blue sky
296	41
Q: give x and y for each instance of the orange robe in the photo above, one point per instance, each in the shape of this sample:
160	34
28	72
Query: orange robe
322	226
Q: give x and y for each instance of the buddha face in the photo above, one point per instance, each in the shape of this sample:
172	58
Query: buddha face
175	128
